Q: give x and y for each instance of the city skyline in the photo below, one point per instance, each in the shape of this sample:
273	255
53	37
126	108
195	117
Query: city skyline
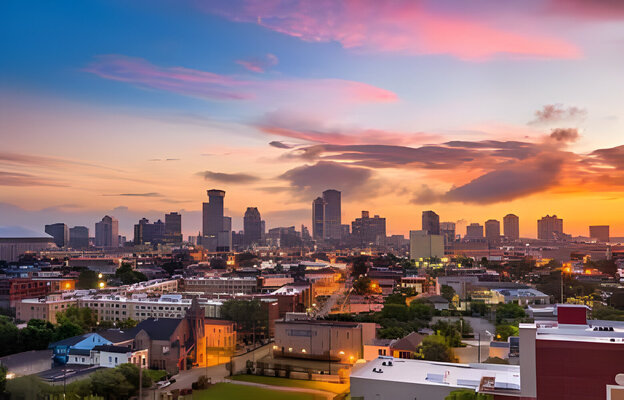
418	110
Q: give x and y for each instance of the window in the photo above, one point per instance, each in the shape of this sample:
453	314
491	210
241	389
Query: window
110	359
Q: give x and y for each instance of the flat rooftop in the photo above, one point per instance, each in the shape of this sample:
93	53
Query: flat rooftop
507	377
595	331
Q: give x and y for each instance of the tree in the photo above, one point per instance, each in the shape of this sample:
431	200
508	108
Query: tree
131	373
447	292
467	394
248	315
111	384
509	311
434	348
503	332
66	330
399	312
421	311
395	298
3	379
126	323
363	286
81	316
87	280
360	266
8	334
128	276
36	336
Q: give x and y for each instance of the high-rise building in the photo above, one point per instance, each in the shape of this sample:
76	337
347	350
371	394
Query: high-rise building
173	228
492	230
224	237
511	227
447	230
79	237
367	231
107	232
144	232
474	231
60	233
212	219
549	228
599	232
252	225
318	219
431	222
333	215
424	245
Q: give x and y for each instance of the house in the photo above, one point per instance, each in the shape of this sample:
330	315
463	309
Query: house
407	347
439	302
77	348
110	356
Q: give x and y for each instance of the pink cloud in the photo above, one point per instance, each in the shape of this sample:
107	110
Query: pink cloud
406	27
313	130
259	64
208	85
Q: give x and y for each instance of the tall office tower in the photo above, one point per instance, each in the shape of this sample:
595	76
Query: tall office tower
173	228
549	228
107	232
305	233
252	225
511	227
60	233
599	232
212	219
447	229
492	230
263	231
368	231
431	222
79	237
318	218
333	215
474	231
224	237
144	232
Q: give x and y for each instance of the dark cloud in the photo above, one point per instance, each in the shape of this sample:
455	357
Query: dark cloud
519	180
280	145
557	113
310	180
565	135
19	179
613	157
222	177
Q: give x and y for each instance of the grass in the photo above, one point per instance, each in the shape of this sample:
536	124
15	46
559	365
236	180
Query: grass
299	383
230	391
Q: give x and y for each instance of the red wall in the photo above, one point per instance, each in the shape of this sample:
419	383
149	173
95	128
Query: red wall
576	370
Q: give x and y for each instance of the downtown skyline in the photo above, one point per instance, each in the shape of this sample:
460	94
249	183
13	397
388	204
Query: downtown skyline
135	110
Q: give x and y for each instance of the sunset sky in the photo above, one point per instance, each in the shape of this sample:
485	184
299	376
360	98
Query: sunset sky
472	109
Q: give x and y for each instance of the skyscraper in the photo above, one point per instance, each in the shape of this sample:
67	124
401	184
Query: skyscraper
431	222
599	232
212	219
333	215
447	229
549	228
252	225
511	227
492	230
366	231
318	218
107	232
60	233
424	245
144	232
173	228
474	231
79	237
224	236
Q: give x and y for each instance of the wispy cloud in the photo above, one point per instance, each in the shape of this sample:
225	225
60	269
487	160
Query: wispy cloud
405	27
556	113
212	86
149	194
259	64
20	179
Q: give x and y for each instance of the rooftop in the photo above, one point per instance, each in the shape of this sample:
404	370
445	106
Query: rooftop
436	373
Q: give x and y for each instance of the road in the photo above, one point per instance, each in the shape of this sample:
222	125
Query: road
185	379
329	304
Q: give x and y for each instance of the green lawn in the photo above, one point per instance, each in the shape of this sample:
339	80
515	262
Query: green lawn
155	374
231	391
270	380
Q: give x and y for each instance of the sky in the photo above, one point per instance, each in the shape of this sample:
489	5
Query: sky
473	110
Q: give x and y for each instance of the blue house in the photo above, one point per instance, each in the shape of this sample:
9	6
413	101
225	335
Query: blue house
77	344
